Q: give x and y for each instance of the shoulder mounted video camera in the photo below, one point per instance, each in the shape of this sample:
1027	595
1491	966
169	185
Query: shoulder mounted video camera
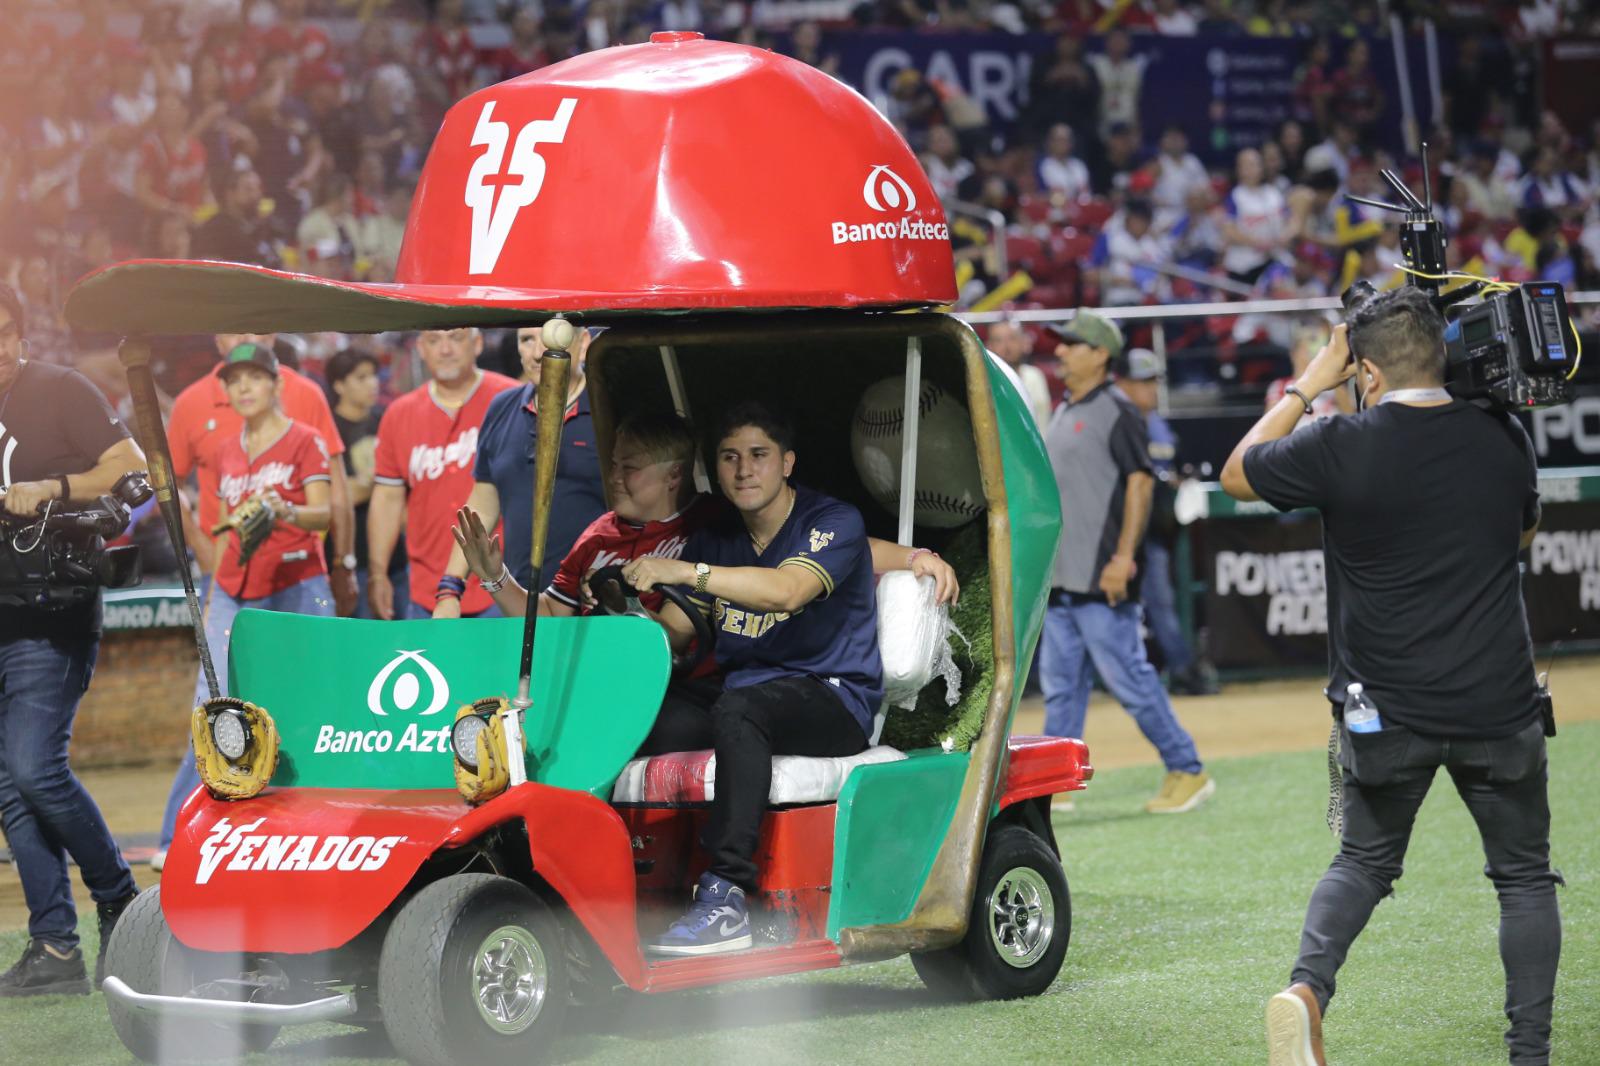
59	559
1513	348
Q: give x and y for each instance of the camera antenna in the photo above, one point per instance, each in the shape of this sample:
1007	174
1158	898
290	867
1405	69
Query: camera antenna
1427	180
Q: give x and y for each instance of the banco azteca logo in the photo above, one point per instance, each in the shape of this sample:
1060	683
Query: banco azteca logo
399	686
887	191
497	187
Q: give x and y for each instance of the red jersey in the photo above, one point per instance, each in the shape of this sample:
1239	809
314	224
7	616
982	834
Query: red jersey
429	451
610	540
307	43
202	420
290	554
178	174
452	55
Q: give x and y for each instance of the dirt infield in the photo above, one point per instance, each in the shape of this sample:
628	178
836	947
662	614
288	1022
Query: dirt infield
1245	719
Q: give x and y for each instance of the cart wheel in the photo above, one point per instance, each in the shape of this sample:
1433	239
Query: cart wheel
473	970
1019	927
144	953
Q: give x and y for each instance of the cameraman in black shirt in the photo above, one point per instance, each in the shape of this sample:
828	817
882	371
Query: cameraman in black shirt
1425	501
59	441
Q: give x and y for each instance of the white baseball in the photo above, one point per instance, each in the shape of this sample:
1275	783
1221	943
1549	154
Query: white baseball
557	333
949	485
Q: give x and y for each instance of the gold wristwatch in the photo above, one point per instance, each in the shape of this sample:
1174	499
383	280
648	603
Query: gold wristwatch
702	574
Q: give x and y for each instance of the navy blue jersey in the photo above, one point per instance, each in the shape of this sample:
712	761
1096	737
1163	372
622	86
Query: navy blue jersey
834	638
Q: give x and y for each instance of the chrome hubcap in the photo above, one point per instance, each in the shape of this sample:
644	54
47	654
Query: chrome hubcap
509	979
1022	917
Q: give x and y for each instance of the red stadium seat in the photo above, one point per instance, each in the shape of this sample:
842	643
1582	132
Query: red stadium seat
1026	253
1092	214
1068	246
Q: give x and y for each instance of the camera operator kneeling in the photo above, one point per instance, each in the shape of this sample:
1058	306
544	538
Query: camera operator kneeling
1425	501
60	441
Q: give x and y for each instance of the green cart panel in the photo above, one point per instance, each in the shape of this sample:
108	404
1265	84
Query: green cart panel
368	704
891	819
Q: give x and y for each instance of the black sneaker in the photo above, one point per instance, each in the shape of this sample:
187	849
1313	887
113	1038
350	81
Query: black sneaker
42	971
107	915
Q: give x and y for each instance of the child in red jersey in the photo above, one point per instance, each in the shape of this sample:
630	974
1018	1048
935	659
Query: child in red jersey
286	464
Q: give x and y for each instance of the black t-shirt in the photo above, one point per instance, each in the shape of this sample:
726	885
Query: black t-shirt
52	422
1422	511
360	438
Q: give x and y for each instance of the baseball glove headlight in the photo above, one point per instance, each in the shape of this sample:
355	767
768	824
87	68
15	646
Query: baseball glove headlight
478	741
235	747
464	738
230	732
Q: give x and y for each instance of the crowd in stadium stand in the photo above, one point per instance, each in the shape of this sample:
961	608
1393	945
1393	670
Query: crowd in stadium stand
291	132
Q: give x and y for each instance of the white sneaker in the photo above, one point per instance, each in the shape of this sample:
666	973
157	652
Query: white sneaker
158	860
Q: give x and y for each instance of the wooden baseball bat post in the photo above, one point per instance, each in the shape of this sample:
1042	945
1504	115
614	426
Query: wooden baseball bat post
555	370
135	357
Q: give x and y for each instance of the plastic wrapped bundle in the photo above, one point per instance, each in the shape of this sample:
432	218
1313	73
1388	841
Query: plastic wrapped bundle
914	639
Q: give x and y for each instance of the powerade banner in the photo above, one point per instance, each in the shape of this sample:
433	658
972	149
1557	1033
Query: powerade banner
1266	590
1562	583
1205	83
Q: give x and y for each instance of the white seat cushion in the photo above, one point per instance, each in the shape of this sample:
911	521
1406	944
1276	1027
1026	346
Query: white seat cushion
682	778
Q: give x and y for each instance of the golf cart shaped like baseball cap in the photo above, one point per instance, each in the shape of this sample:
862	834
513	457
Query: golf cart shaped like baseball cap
743	226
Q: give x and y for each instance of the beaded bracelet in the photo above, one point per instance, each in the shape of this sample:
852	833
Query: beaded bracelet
919	551
451	583
491	587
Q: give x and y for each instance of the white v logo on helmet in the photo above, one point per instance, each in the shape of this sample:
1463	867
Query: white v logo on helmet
498	188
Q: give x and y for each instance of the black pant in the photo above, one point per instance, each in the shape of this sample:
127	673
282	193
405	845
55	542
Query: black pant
1503	782
747	727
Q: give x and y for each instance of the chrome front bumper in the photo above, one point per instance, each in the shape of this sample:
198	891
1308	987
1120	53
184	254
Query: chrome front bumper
331	1009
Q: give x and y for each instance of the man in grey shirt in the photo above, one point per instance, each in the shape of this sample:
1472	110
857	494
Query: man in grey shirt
1099	449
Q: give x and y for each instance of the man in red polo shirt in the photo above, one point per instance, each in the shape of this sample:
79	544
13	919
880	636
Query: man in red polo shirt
202	418
427	443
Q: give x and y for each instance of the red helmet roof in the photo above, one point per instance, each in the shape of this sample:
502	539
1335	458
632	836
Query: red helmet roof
683	174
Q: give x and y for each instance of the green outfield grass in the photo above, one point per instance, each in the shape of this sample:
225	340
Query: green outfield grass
1182	927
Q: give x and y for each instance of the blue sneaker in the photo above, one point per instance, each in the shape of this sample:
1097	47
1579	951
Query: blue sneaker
718	920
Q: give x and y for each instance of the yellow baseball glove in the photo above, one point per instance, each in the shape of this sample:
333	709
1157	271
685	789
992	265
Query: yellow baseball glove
493	774
249	773
253	521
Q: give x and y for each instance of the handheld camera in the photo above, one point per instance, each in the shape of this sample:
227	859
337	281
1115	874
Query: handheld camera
1511	346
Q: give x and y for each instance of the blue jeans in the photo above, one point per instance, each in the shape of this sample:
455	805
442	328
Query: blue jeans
401	580
311	596
1161	608
45	811
1077	635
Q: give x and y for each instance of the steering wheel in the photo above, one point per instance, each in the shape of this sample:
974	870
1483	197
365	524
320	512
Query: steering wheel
615	596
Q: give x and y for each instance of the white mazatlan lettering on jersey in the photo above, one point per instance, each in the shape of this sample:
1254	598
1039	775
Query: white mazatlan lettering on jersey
429	461
236	487
671	548
495	197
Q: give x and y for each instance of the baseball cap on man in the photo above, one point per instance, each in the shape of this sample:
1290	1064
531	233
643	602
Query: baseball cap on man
249	354
1091	329
1141	365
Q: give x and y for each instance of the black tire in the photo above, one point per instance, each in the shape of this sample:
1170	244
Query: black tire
429	975
144	954
1002	957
